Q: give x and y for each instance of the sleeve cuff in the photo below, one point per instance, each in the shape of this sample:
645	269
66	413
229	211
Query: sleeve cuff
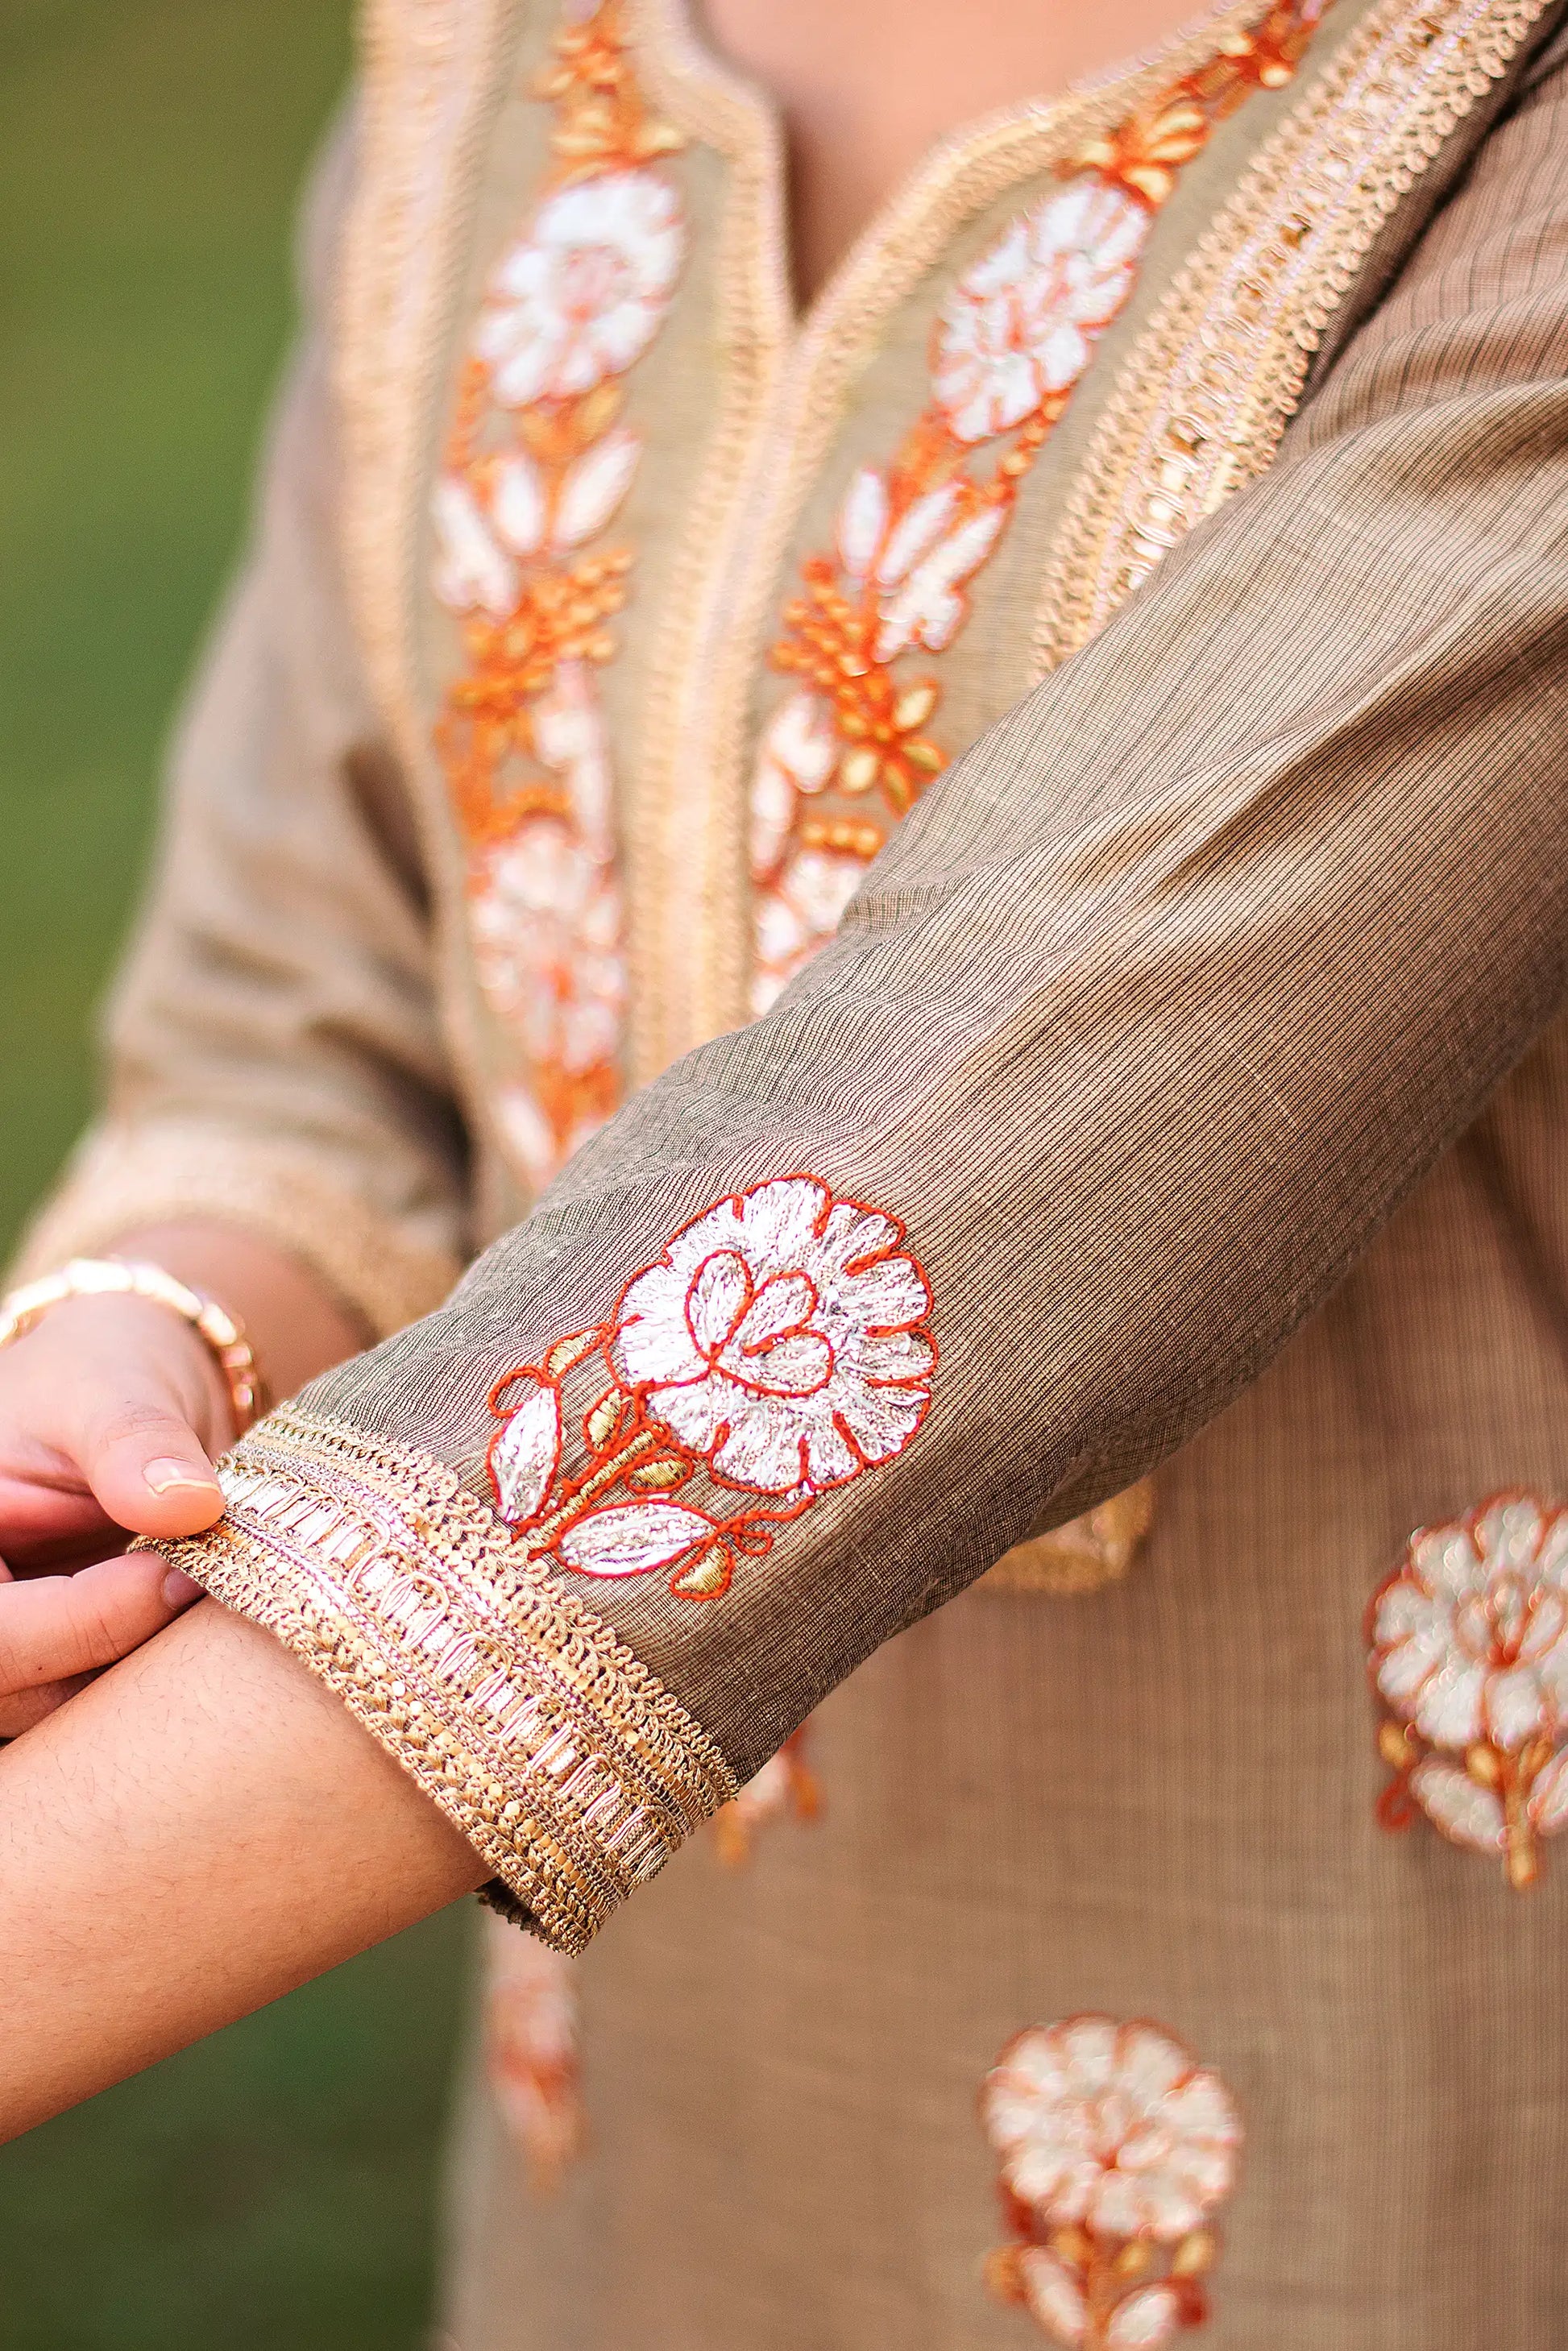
172	1171
566	1765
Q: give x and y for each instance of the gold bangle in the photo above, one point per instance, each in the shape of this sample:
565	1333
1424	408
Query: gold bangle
116	1277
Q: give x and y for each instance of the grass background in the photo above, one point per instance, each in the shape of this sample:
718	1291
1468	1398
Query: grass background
274	2188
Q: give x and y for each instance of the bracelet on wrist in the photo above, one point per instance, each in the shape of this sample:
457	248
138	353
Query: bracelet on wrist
115	1276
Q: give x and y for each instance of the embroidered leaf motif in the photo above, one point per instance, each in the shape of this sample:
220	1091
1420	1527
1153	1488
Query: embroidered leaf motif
595	488
1144	2320
1463	1810
660	1474
525	1450
631	1538
599	1426
569	1351
1052	2296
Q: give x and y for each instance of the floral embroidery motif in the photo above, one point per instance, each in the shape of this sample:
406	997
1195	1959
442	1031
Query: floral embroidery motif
532	2053
851	746
785	1788
1469	1644
1115	2149
776	1349
537	467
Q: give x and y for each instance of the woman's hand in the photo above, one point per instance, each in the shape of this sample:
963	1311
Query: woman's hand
111	1410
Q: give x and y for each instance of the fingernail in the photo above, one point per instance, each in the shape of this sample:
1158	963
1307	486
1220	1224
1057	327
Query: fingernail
165	1477
180	1590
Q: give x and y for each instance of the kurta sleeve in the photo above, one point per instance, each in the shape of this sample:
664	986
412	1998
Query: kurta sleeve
1149	1014
274	1058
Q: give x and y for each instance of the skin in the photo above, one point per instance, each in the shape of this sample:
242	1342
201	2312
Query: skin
181	1783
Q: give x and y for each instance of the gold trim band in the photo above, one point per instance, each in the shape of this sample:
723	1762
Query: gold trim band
565	1762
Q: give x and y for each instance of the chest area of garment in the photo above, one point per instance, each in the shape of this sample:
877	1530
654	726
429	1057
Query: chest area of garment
712	596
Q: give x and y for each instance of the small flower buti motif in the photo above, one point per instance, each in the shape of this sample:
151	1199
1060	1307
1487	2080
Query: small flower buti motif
785	1789
1116	2147
778	1348
851	747
1469	1654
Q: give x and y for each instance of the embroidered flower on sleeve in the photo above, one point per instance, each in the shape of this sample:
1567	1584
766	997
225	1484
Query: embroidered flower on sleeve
1468	1650
1116	2146
1022	321
778	1347
581	295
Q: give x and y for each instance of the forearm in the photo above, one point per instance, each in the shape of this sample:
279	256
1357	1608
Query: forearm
202	1829
298	1326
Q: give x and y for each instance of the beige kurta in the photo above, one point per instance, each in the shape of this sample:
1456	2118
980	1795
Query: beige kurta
661	610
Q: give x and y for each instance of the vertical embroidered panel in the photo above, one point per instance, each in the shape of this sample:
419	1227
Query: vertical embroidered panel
850	750
538	463
1115	2148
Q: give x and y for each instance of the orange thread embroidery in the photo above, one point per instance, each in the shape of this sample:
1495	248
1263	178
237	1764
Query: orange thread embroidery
1468	1646
778	1347
535	2066
1115	2148
536	467
786	1787
1013	339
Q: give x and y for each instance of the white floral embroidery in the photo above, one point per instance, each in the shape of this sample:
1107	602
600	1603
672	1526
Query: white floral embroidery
799	753
1022	322
579	298
473	572
1470	1650
1112	2126
798	915
776	1337
777	1347
1115	2149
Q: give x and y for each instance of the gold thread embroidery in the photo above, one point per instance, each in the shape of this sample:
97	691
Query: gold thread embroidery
1206	396
1084	1554
853	745
565	1762
539	461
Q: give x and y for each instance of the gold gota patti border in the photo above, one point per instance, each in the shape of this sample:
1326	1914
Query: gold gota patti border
564	1761
1205	393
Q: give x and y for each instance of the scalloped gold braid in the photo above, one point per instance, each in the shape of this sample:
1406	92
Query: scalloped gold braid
563	1761
1208	390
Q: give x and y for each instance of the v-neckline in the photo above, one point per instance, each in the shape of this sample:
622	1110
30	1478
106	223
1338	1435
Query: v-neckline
685	20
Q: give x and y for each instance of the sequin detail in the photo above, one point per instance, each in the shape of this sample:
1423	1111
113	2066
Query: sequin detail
1469	1654
1115	2148
851	748
538	462
778	1348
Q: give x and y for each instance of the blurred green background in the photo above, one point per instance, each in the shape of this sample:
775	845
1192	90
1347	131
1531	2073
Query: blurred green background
275	2188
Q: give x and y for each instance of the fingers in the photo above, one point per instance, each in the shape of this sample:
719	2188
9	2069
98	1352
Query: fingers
27	1709
53	1628
148	1471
